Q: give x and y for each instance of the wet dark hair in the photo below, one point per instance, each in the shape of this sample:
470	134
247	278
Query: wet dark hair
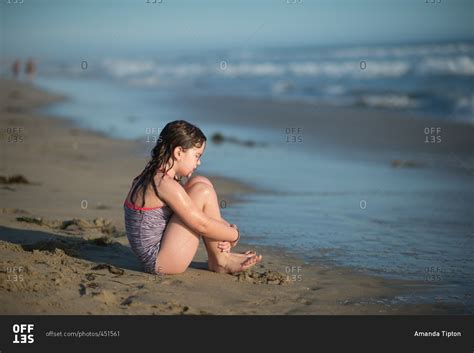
174	134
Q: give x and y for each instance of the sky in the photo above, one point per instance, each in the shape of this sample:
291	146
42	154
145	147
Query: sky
54	28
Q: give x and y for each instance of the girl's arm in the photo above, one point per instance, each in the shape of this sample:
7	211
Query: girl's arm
225	222
174	195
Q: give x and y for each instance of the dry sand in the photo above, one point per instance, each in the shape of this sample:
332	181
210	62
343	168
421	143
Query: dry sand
63	249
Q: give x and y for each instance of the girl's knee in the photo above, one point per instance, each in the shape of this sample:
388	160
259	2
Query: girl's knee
198	179
200	189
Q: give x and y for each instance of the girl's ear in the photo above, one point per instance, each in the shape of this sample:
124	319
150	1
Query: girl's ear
177	152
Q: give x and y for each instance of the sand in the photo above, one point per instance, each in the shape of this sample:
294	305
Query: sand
63	249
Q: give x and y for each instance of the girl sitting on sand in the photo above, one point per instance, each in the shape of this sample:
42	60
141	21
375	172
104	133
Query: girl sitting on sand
165	220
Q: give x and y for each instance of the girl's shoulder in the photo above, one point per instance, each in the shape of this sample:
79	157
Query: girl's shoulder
159	177
164	181
152	200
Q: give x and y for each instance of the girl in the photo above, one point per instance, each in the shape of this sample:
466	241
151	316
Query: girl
165	220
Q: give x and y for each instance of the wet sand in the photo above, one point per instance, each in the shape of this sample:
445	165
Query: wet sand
63	248
339	127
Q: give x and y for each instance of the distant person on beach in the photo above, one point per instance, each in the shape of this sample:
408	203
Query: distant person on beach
165	220
16	68
30	69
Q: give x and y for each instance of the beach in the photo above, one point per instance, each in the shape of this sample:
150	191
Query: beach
63	249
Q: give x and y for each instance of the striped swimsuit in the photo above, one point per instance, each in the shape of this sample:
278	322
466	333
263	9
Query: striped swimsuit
145	228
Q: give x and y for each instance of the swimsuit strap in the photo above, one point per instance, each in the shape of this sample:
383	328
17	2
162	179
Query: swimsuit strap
136	184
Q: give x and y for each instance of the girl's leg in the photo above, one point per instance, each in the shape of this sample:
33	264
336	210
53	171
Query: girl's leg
180	243
212	209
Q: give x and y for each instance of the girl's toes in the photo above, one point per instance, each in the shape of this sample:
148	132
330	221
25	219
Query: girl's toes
250	252
249	262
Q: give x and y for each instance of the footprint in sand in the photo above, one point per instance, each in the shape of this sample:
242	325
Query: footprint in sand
267	277
112	269
14	179
79	225
13	210
172	282
106	297
53	246
129	300
304	301
103	295
90	288
90	276
173	307
267	301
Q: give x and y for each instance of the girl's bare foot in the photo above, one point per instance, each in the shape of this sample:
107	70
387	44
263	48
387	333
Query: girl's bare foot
235	263
245	254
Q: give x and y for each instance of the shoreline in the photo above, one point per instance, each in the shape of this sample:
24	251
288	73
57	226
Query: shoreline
59	266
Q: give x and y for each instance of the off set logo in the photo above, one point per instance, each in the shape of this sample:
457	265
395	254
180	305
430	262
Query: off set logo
23	333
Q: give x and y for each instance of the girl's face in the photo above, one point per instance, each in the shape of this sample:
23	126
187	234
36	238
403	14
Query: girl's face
189	161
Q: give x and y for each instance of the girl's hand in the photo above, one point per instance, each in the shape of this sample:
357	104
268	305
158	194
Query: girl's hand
224	246
234	243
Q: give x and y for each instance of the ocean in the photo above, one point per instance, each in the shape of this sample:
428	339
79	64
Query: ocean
408	223
429	79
